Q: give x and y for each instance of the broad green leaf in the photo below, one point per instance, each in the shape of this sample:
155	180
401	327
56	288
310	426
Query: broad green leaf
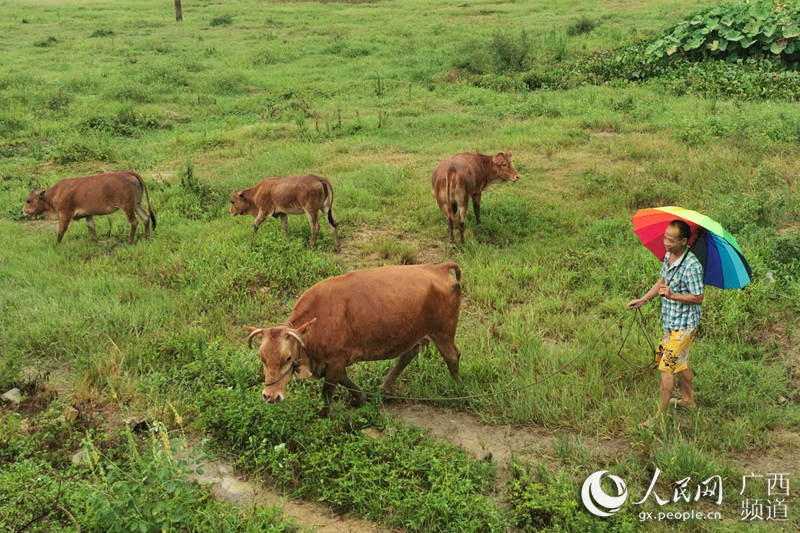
713	45
746	42
791	30
777	47
769	30
734	35
671	49
691	44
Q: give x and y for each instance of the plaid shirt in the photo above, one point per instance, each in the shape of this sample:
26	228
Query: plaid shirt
683	277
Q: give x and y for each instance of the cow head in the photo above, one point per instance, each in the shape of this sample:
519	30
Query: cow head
502	167
283	355
239	204
35	204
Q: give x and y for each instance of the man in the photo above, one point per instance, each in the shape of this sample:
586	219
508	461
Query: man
681	289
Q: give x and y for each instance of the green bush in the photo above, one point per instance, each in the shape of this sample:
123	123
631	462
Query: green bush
541	501
581	26
138	485
734	31
404	479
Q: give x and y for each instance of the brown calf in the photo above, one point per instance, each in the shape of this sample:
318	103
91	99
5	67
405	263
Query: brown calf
366	315
463	176
101	194
278	197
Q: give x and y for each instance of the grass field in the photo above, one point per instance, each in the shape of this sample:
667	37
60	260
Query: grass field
372	95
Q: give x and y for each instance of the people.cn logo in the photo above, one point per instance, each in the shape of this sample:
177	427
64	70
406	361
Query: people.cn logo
595	498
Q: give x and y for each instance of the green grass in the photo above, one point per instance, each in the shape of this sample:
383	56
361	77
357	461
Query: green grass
372	96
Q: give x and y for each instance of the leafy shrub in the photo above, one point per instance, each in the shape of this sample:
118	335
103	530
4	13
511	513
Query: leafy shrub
751	78
198	200
126	122
80	148
404	480
501	54
581	26
543	501
734	31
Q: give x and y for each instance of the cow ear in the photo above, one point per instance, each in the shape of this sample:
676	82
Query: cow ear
497	159
241	195
303	370
41	195
508	155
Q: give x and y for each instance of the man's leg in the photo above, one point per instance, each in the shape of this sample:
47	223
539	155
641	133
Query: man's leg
667	384
685	378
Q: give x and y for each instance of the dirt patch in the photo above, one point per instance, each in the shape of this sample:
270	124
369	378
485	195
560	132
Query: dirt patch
529	444
782	456
225	485
359	250
794	228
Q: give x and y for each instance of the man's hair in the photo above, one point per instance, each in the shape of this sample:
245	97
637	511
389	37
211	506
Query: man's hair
684	231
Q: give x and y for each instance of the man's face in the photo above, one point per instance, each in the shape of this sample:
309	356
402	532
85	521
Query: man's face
672	240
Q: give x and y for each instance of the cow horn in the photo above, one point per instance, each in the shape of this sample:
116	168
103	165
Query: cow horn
253	333
296	336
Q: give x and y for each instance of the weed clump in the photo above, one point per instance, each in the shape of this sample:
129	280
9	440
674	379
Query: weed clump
44	43
222	20
102	32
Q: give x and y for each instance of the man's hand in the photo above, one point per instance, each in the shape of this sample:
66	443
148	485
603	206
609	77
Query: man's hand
663	290
638	302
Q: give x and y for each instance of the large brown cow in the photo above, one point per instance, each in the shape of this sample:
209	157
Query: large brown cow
366	315
101	194
278	197
463	176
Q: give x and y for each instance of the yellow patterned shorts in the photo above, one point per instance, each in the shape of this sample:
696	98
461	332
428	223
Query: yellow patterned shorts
672	354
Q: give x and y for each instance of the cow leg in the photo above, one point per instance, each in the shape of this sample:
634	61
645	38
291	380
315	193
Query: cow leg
476	206
285	223
450	231
312	219
63	223
92	230
449	351
260	218
333	374
145	219
132	220
402	362
462	216
358	395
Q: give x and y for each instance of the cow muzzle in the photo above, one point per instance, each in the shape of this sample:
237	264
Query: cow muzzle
270	397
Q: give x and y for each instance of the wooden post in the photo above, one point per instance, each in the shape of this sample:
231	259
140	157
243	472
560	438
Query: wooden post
178	12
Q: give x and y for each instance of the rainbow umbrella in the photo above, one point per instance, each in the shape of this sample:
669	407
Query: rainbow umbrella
724	265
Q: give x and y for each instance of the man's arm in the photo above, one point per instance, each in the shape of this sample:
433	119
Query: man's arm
649	295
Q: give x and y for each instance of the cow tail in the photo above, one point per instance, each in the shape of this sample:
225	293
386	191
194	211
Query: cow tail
451	174
454	267
327	202
147	195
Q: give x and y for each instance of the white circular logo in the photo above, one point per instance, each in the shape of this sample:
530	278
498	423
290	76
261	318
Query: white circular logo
597	501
